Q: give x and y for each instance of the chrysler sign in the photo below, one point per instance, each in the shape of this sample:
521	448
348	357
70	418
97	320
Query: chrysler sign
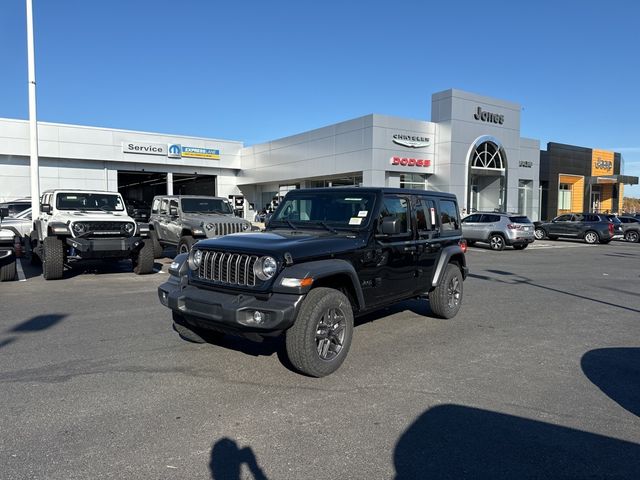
411	141
144	148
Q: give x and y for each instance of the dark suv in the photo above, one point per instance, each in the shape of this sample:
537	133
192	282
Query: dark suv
591	227
326	256
631	228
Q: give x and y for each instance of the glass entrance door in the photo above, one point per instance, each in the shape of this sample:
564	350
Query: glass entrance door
595	201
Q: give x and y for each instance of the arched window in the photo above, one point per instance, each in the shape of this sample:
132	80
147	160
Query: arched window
488	156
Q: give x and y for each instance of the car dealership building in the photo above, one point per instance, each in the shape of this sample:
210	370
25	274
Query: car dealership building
471	147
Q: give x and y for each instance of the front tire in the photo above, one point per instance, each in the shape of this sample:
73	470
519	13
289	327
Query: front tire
539	233
632	236
155	241
143	260
591	237
8	272
52	258
320	338
496	242
445	300
185	244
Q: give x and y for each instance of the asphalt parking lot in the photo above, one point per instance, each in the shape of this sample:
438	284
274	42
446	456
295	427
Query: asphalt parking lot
537	377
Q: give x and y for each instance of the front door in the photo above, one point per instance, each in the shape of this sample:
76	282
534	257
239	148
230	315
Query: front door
173	225
471	227
395	266
560	225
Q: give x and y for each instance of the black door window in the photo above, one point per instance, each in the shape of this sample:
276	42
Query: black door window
449	218
425	215
489	218
396	208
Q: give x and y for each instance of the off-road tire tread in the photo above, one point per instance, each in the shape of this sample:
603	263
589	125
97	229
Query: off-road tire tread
188	240
438	296
300	338
143	261
52	258
157	247
8	272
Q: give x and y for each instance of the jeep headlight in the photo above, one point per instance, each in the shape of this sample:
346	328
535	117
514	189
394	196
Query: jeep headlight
245	227
196	259
265	268
79	228
198	231
128	228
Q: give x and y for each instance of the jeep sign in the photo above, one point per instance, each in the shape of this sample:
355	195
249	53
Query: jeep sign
145	148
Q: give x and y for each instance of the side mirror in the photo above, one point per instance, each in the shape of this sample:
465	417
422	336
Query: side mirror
4	212
391	226
173	211
45	208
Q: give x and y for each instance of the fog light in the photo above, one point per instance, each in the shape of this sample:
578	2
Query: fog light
258	317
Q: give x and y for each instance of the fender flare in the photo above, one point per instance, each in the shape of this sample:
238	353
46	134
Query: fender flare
319	270
443	261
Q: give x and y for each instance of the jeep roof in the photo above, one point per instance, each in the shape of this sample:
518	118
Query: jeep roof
383	190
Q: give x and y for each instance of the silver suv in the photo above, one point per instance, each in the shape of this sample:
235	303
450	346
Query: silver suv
498	230
182	220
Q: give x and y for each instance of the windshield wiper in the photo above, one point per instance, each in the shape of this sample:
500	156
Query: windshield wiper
331	229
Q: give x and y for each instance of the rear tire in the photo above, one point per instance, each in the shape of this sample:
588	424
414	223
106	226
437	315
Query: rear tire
445	300
185	244
320	338
496	242
155	241
143	260
632	236
52	258
591	237
8	272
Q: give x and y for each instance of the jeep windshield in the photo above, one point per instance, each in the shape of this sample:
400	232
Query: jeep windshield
329	210
205	205
89	201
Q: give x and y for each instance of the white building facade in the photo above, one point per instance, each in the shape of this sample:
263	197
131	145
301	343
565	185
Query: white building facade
471	147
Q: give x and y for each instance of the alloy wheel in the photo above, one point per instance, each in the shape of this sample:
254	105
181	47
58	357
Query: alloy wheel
632	237
591	237
330	333
496	242
453	292
184	248
538	233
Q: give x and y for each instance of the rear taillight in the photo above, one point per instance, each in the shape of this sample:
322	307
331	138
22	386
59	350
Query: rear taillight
611	228
514	226
463	245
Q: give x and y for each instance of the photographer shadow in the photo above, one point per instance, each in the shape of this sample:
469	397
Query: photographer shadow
227	460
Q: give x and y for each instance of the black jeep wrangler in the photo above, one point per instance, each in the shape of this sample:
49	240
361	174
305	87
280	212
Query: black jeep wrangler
326	256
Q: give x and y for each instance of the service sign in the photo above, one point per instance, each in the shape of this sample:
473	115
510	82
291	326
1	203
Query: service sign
144	148
195	152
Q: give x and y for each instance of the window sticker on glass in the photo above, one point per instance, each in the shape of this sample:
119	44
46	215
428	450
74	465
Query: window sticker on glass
433	216
71	197
352	199
355	221
363	213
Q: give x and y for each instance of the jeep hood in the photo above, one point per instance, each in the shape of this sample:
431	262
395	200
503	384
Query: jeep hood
301	244
90	216
199	218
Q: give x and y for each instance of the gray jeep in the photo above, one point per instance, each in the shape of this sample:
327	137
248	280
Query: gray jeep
182	220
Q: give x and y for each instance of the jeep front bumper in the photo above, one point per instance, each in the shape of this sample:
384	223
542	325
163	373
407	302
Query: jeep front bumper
230	312
105	247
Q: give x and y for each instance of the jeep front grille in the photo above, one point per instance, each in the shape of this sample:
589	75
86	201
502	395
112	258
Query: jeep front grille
228	268
227	228
102	229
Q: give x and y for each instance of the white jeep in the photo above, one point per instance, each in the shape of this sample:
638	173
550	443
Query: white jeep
88	224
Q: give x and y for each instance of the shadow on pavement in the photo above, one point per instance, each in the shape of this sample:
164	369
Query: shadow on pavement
7	341
453	441
38	323
227	460
616	371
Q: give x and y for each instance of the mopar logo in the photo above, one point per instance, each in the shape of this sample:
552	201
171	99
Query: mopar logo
175	151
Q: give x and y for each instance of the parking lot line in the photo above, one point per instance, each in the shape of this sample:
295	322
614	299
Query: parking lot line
21	276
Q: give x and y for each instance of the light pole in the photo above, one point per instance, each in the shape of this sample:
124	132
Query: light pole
33	125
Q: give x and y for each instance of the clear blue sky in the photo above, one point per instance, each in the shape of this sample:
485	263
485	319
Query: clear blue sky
259	70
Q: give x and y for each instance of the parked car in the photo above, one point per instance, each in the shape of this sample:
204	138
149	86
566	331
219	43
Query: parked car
87	224
591	227
7	253
138	210
327	255
630	228
182	220
16	206
20	222
498	230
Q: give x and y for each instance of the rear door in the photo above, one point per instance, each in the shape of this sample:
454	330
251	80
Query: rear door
428	243
488	223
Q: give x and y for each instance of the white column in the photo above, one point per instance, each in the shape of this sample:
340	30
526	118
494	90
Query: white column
33	125
169	183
